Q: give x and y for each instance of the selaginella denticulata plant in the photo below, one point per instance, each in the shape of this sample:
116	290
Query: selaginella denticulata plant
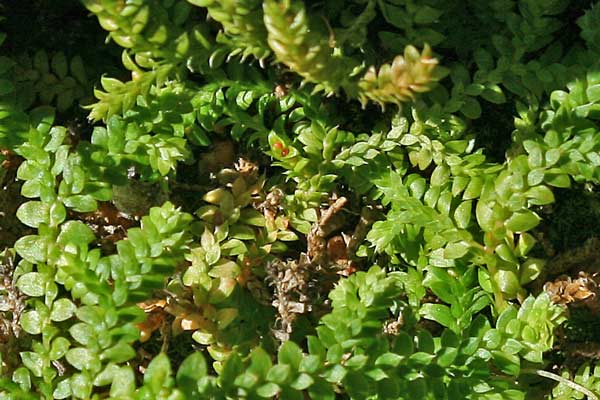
294	199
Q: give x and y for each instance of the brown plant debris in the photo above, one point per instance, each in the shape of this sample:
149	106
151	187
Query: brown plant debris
10	159
155	317
108	224
329	222
12	304
292	282
299	285
580	292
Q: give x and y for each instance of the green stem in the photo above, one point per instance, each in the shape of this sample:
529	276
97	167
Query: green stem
499	300
558	378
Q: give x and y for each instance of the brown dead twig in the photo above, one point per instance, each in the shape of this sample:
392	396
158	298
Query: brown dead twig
301	286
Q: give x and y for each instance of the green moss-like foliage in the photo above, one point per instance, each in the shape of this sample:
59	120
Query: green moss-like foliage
294	199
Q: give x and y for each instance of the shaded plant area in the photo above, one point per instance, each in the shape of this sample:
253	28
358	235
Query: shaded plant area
575	218
293	199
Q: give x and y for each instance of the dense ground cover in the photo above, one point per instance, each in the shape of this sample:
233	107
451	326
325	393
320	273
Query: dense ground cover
366	199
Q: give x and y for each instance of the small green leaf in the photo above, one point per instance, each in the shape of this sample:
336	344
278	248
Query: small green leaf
111	84
93	315
356	362
22	377
389	360
81	386
242	232
456	250
225	269
321	390
558	180
493	94
506	253
471	108
123	384
213	253
31	188
59	65
82	333
440	175
507	281
530	270
192	369
119	353
33	361
77	69
508	363
107	375
404	344
492	339
302	382
221	289
291	354
427	15
40	61
425	342
525	244
246	380
446	356
279	373
63	389
81	203
462	214
473	189
485	215
593	93
552	156
32	248
522	221
252	217
226	316
310	364
260	362
62	309
268	390
82	358
34	213
335	353
535	176
512	346
59	348
421	359
57	214
439	313
32	322
335	374
75	232
32	284
158	372
540	195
